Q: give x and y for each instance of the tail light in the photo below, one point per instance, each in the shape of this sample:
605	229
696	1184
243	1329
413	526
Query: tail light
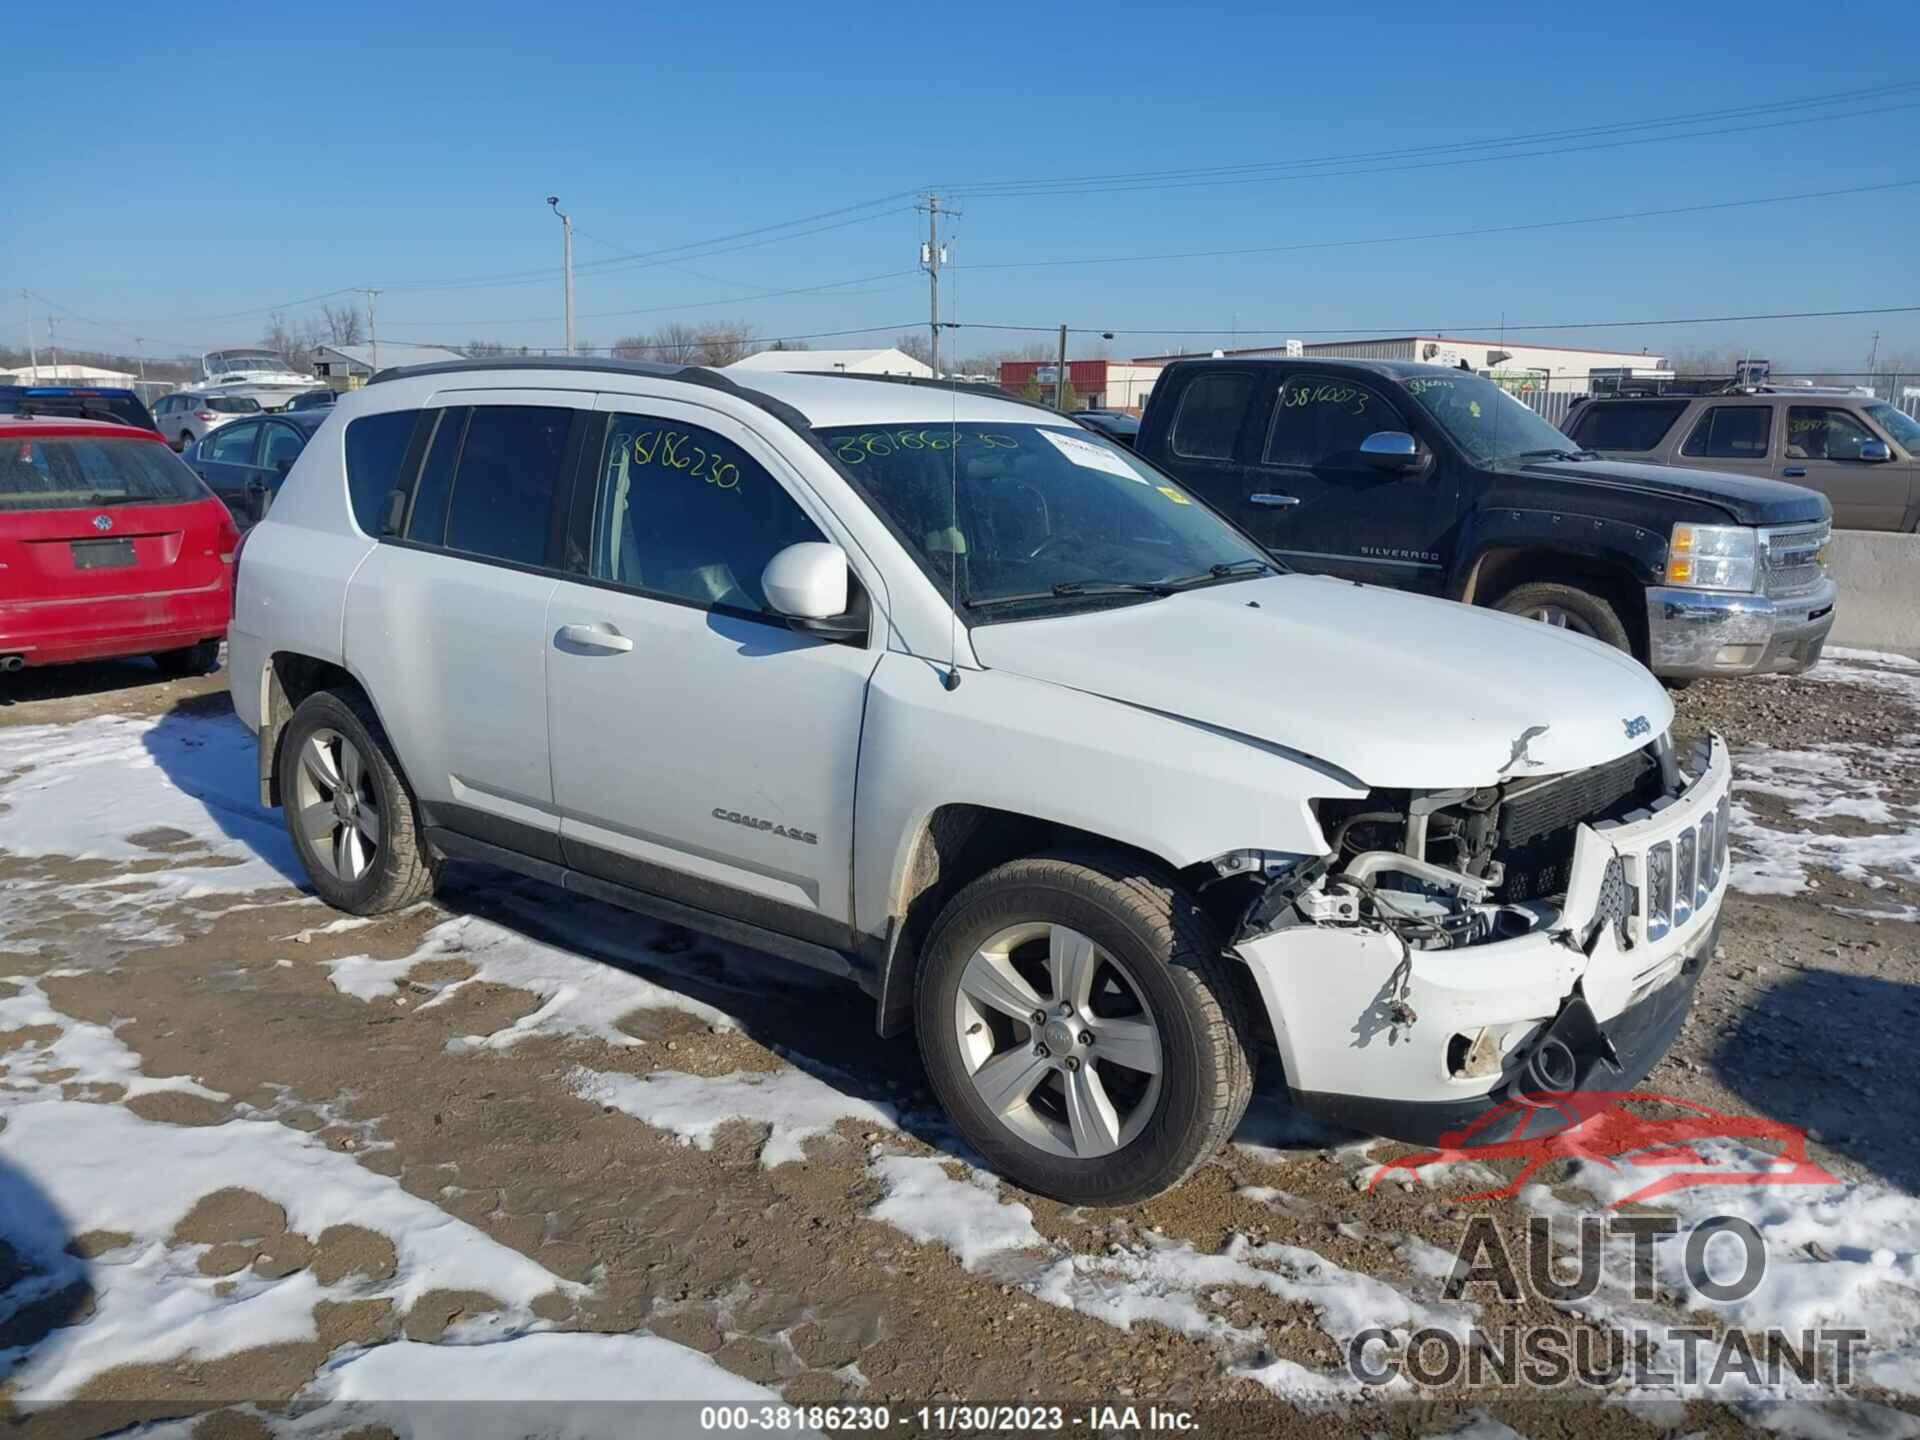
203	414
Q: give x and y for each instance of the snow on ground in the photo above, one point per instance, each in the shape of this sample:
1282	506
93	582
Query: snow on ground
181	788
74	1167
1819	785
1840	1254
579	995
794	1105
551	1385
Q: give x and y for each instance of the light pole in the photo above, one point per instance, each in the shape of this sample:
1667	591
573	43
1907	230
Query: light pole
566	253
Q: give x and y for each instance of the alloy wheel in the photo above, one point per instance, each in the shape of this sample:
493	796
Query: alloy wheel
1057	1040
1560	618
337	805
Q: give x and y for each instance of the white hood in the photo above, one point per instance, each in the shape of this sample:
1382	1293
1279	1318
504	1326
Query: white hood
1401	691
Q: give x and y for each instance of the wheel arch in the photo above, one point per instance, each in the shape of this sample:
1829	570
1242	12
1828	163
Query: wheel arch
289	677
954	845
1500	569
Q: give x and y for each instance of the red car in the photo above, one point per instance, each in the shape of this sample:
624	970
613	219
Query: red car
109	545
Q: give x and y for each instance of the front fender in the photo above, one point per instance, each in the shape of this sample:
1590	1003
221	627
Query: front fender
1618	544
1179	791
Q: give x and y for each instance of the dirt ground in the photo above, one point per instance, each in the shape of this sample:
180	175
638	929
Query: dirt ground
780	1272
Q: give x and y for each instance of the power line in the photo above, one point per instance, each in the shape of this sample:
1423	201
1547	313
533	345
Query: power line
1742	129
1361	332
1444	234
1256	171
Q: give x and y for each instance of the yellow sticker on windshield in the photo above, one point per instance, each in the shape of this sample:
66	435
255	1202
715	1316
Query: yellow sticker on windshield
1173	494
1473	408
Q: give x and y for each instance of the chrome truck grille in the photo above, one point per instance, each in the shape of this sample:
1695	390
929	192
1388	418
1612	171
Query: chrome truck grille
1793	559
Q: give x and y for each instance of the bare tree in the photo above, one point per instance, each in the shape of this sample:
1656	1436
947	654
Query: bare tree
916	345
675	343
723	344
343	324
789	345
482	349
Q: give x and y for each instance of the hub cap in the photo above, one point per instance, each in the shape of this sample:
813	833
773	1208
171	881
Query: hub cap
336	805
1561	619
1058	1041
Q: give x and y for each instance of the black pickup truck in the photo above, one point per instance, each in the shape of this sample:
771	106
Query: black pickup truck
1437	480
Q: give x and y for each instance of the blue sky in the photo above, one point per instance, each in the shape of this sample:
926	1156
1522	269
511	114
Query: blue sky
175	176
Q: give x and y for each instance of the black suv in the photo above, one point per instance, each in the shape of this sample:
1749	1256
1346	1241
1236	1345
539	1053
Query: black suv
1437	480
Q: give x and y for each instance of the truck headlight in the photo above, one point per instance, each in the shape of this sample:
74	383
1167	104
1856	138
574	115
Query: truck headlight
1713	557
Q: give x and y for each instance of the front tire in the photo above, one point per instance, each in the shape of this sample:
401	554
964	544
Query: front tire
348	808
1568	607
1080	1023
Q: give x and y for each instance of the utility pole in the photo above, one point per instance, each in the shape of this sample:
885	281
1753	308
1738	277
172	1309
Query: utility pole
54	346
1060	375
33	355
373	331
566	261
141	355
1873	360
932	256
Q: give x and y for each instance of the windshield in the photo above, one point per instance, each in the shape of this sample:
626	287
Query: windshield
1897	423
1008	512
240	362
50	473
1485	421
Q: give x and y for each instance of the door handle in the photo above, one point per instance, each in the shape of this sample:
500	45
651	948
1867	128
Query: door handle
1275	501
595	637
1795	471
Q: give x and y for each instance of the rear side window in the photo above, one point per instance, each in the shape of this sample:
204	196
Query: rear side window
233	405
1731	432
1209	418
1626	425
503	487
376	447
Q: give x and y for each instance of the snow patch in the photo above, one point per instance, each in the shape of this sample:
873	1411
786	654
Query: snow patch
791	1103
579	995
967	1216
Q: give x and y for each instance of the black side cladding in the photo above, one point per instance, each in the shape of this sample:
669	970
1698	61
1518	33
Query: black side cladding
1536	829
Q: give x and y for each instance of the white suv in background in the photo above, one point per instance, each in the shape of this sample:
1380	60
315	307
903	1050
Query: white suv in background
190	415
938	691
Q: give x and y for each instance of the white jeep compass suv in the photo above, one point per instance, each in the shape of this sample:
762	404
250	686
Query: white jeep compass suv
940	692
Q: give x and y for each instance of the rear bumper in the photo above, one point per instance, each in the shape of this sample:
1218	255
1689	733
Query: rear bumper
1411	1043
1694	633
59	632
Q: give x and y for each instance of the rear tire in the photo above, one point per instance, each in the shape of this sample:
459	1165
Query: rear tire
1568	607
186	439
201	659
348	808
1146	1077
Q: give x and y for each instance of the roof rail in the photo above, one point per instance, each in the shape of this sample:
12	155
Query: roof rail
931	383
532	362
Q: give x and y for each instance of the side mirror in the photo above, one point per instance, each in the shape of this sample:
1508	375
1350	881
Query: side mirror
809	583
1392	450
283	465
1875	450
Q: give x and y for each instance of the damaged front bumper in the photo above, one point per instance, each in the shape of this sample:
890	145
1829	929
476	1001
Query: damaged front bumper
1412	1043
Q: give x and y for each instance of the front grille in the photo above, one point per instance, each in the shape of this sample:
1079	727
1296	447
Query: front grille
1789	559
1537	823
